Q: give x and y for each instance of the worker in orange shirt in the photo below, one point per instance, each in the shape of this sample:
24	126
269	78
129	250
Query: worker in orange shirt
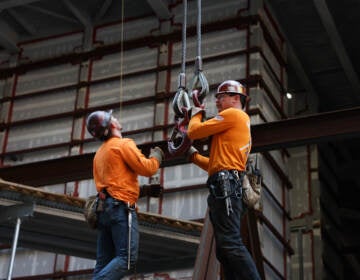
116	166
229	150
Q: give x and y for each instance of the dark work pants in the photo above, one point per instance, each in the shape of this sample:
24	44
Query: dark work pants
112	241
230	250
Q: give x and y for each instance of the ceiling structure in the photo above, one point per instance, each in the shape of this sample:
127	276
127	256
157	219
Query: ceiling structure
322	47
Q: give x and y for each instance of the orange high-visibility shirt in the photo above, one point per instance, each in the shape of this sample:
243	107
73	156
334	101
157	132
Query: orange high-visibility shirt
230	142
116	166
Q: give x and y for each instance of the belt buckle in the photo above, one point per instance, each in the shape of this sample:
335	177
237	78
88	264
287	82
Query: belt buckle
131	206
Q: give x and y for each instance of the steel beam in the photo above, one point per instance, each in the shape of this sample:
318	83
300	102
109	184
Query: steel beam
325	127
311	129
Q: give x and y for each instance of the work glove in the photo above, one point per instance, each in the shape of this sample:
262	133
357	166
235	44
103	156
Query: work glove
196	110
153	190
192	150
157	153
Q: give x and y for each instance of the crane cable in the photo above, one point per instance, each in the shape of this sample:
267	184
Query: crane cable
181	103
181	98
200	87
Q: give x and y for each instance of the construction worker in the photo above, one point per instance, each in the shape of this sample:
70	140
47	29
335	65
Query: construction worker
116	166
229	150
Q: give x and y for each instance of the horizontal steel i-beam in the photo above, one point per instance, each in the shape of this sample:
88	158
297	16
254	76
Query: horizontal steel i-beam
268	136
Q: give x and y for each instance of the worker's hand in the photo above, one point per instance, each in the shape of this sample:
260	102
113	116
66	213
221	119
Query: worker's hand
154	190
197	110
198	102
192	150
157	153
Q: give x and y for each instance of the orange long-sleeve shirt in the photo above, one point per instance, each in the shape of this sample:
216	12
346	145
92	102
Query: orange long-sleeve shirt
116	166
230	143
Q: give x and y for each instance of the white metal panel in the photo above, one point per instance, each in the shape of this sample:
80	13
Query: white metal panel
303	254
145	180
27	262
273	250
215	71
39	134
183	175
132	29
141	138
136	116
44	105
47	78
90	147
280	160
260	99
132	88
212	10
133	60
259	67
37	156
151	205
272	84
257	40
273	30
185	205
76	264
106	93
215	43
298	174
160	113
272	60
52	47
271	179
272	211
86	188
132	118
256	119
189	204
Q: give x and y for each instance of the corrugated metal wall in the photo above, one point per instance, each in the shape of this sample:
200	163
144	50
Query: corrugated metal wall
44	111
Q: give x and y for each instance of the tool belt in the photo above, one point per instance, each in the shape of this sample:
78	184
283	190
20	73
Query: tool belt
104	194
225	183
96	204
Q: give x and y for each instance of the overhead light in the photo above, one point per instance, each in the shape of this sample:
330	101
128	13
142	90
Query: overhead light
288	95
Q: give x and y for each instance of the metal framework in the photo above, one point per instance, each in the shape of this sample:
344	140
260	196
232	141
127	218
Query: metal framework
317	128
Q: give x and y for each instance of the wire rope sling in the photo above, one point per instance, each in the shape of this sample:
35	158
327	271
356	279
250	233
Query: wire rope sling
179	142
